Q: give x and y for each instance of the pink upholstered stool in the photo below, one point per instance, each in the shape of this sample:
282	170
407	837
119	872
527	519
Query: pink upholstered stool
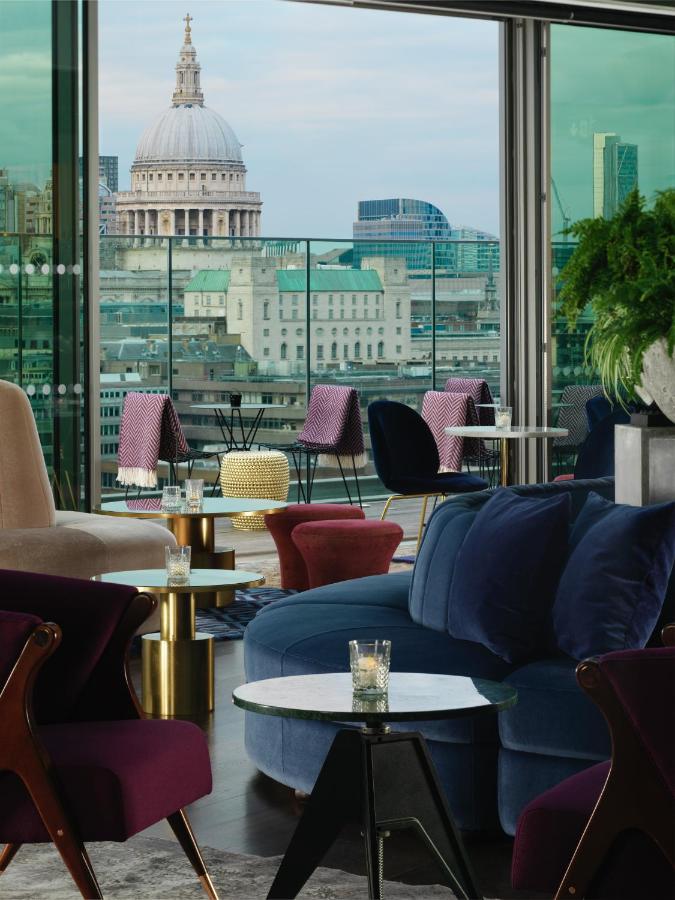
353	548
280	525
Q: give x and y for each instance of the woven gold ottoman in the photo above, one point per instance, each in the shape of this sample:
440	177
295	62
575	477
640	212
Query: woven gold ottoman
261	474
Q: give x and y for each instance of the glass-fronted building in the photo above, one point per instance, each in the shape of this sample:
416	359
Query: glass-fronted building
399	219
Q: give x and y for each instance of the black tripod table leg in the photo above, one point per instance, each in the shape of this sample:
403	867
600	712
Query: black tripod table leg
409	795
334	802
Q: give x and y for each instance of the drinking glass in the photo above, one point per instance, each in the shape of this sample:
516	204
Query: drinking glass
171	498
503	418
194	492
369	662
178	564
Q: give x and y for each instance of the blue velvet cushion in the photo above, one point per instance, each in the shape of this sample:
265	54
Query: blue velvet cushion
615	580
506	573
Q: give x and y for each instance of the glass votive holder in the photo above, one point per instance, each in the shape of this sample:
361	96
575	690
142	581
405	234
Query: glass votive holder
369	662
178	564
194	492
503	418
171	498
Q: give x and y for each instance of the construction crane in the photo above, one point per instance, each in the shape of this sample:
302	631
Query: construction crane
563	211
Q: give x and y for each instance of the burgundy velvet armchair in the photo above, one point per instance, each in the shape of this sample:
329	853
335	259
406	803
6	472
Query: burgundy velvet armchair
608	831
78	762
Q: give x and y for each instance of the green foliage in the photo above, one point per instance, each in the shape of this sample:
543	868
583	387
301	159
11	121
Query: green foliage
624	268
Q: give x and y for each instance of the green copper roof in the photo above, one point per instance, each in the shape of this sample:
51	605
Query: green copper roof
329	280
215	280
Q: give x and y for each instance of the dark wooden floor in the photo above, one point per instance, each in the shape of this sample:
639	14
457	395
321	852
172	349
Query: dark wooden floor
249	813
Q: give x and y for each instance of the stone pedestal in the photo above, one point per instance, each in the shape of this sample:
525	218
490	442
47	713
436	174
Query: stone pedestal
644	465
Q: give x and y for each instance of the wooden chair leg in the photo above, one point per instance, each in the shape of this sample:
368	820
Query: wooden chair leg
8	855
181	828
593	847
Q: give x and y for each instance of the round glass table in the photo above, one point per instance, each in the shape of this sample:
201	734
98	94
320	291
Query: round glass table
177	662
196	527
376	778
504	435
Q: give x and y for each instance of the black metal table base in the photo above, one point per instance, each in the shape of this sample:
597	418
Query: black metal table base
383	782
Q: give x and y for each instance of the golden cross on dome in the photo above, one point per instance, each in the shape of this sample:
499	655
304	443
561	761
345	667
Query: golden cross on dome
188	18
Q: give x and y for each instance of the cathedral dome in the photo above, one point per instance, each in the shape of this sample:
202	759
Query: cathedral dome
189	133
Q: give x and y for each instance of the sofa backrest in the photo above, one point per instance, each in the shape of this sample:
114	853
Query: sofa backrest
26	499
443	536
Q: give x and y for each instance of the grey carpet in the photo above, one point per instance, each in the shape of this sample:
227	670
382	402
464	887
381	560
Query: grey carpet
150	869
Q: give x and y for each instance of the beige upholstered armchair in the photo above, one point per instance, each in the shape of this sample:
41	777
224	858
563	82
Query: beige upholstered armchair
35	537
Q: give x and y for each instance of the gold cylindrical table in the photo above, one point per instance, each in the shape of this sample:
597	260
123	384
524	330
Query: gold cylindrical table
254	473
178	660
196	528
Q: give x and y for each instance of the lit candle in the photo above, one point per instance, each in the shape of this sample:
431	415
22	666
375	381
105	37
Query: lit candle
368	666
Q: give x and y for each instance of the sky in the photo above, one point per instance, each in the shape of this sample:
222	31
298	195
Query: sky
332	105
610	81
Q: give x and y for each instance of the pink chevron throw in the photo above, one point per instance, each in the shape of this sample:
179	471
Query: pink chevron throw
479	391
439	410
150	431
333	426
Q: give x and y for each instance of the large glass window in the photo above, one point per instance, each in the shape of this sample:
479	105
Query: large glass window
40	252
612	129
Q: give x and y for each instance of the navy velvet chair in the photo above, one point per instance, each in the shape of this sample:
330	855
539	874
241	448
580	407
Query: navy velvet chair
406	458
77	760
596	455
608	831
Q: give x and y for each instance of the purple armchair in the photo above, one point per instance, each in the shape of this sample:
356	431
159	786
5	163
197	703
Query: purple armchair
77	760
608	831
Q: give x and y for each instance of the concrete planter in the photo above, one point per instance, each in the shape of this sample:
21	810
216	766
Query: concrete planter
658	378
644	465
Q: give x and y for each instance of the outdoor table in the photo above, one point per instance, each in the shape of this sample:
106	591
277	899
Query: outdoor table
228	428
503	435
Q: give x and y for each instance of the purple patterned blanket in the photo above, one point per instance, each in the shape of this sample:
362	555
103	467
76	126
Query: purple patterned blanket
333	425
150	431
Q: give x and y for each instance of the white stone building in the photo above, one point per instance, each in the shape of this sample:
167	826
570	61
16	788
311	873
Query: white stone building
188	176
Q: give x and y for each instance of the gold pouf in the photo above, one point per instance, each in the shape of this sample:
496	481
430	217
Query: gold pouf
261	474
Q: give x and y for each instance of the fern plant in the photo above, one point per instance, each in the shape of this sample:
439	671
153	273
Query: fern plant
624	267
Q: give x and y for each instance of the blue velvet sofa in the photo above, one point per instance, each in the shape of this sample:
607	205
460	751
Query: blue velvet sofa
490	768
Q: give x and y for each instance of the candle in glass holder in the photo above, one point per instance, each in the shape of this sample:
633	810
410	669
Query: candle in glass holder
194	493
369	662
178	564
503	417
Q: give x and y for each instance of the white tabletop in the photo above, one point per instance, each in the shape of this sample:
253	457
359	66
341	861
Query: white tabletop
515	431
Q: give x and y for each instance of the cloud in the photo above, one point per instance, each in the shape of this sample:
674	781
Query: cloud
332	104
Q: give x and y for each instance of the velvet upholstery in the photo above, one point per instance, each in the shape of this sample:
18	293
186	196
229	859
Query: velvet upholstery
405	453
345	549
36	538
280	525
15	629
549	831
488	767
595	458
644	684
638	698
616	577
506	572
26	499
117	778
115	772
309	632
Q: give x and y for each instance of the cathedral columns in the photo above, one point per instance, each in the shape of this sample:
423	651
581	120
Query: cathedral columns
146	221
186	224
172	222
200	223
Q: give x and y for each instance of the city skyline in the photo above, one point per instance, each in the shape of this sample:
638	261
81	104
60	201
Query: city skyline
333	86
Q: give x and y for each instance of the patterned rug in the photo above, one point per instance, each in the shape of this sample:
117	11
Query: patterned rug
228	623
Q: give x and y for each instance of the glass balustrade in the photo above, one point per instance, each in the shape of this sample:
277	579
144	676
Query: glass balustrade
204	317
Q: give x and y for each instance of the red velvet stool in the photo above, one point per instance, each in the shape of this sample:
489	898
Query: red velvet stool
280	525
340	550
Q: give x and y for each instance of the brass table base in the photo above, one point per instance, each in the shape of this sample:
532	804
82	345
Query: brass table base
178	675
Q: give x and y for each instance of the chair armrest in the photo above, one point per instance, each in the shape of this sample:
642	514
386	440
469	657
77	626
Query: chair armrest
668	635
